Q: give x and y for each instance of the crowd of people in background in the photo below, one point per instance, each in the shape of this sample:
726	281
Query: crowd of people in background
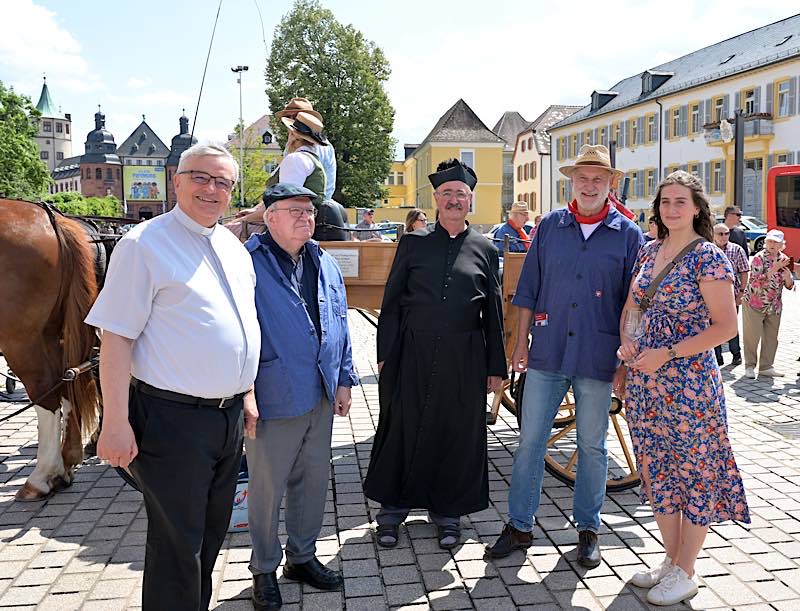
604	308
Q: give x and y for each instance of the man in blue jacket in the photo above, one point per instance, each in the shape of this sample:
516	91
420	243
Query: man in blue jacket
304	376
570	294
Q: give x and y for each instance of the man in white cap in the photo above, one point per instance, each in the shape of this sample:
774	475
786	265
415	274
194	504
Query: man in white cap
514	228
570	295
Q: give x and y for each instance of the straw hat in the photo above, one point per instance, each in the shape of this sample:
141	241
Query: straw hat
592	155
519	206
296	105
308	126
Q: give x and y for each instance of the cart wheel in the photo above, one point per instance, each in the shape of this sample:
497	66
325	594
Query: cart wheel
11	385
562	453
566	413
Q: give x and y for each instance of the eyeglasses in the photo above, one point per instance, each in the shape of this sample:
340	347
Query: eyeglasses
299	212
203	178
459	195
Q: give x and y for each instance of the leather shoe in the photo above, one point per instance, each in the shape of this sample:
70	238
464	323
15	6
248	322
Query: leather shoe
588	549
737	360
314	573
508	541
266	594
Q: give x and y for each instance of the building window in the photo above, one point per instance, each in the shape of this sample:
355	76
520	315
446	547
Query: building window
716	177
519	173
675	122
59	128
525	170
782	98
533	202
650	132
44	155
47	126
587	137
159	162
149	162
574	148
634	133
525	197
59	156
533	169
128	162
109	174
530	142
401	178
66	128
390	179
749	101
138	162
694	114
468	158
524	142
693	168
98	174
718	106
782	159
650	184
118	173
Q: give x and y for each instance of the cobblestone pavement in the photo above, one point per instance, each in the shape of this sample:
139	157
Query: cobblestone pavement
84	548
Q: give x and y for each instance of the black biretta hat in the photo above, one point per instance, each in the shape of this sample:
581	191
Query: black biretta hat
456	171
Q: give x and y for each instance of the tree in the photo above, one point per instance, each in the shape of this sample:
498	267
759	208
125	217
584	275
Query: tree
333	65
71	202
258	164
22	173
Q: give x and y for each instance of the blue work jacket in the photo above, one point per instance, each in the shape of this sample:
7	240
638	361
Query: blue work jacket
576	288
515	243
295	365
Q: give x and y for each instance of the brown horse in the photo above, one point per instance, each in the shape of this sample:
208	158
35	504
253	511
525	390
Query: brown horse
48	285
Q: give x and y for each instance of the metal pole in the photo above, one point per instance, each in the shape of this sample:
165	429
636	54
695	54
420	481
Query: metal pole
738	160
238	70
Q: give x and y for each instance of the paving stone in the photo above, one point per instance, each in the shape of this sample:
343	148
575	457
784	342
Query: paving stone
392	557
456	598
406	594
359	568
394	575
368	603
15	596
363	586
37	577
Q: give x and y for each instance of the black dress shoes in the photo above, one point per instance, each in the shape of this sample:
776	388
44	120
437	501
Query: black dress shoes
509	540
737	360
314	573
266	594
588	549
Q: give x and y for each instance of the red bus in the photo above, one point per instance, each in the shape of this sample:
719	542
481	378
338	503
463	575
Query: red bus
783	205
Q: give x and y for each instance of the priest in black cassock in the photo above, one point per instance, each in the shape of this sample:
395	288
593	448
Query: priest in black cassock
440	351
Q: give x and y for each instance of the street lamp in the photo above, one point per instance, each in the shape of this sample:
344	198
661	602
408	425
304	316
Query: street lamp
238	70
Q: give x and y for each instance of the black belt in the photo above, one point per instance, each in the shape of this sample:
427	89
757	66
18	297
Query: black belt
160	393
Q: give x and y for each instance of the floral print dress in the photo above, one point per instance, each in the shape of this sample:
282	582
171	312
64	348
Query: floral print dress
677	417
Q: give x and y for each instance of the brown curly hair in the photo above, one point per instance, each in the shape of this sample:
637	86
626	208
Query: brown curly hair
703	223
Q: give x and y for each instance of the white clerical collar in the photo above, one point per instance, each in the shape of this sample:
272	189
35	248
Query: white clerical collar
190	224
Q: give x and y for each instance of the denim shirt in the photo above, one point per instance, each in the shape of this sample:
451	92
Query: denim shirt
576	288
296	366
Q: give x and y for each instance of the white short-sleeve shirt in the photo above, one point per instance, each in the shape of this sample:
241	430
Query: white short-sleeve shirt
186	295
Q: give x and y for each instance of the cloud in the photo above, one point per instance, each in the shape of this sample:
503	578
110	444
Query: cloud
138	83
34	43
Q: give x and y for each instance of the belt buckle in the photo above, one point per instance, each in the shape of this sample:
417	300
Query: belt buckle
222	402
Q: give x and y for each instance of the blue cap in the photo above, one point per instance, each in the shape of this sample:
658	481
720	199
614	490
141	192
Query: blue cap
285	190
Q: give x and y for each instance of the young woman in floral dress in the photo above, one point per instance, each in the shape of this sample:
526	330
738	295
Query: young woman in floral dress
762	305
675	399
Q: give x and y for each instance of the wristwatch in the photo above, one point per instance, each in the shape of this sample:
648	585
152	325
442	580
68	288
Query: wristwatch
671	352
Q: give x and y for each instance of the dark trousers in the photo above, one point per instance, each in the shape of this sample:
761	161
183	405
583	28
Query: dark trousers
187	467
733	344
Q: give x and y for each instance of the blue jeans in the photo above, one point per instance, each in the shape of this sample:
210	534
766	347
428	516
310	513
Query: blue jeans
544	392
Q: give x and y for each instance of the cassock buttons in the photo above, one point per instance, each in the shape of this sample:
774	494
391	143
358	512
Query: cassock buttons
579	276
571	333
574	305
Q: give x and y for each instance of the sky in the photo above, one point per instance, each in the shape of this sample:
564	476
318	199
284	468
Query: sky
147	57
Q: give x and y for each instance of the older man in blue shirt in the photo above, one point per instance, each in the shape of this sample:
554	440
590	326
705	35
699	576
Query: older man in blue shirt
304	376
572	288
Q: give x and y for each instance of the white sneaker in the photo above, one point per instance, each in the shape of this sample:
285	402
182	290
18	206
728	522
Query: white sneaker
750	372
647	579
672	589
770	373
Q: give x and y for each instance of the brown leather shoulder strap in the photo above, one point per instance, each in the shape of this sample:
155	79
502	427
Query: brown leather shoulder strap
653	288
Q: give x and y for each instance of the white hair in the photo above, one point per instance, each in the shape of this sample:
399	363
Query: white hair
208	149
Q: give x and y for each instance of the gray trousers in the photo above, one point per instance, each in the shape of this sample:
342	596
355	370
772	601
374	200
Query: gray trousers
290	455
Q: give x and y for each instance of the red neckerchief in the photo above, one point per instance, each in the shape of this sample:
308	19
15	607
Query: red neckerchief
521	233
588	220
612	197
